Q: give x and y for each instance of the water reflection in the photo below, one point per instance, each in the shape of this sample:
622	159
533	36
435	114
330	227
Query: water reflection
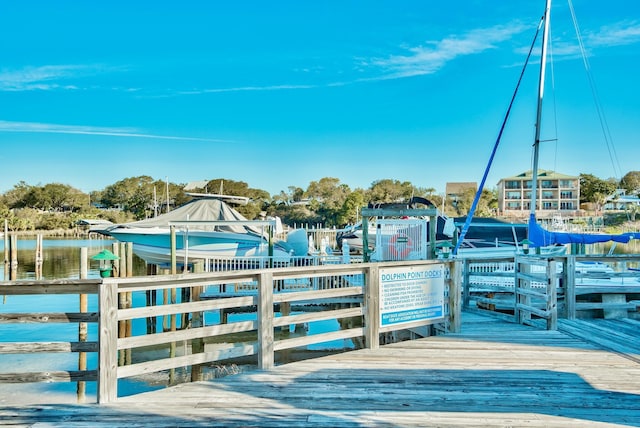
61	258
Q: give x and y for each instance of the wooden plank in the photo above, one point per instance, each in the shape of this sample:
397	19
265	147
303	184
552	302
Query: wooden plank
187	334
317	294
180	308
48	317
50	376
46	347
296	342
222	353
24	288
317	316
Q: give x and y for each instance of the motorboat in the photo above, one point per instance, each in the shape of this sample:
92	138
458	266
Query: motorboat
207	228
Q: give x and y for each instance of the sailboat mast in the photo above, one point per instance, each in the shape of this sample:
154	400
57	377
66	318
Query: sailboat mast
536	144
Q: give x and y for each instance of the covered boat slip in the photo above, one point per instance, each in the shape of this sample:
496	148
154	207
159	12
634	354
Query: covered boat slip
491	373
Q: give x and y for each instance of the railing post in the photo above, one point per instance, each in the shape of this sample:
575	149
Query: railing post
516	310
265	320
455	289
82	327
466	295
552	296
570	287
372	307
108	341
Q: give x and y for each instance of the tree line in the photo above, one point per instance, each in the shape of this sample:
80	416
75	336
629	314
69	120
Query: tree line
327	201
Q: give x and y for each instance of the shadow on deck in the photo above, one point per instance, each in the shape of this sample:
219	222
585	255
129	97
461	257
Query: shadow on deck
493	373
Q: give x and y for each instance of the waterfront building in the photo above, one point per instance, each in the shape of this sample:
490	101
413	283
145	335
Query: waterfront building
557	193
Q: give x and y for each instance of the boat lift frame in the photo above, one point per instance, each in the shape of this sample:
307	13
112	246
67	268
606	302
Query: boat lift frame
432	213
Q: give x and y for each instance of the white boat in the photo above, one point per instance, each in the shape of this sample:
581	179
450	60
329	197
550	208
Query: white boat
207	228
543	241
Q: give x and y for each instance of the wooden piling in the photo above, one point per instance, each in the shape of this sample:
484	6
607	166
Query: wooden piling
82	326
39	257
7	266
13	249
197	321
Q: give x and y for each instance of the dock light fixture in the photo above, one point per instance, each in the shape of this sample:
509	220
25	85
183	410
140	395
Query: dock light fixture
525	245
106	258
445	249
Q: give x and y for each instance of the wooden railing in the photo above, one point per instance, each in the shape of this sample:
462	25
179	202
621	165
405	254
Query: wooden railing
38	290
567	286
168	315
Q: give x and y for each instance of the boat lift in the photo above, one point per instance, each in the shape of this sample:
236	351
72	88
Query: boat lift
399	241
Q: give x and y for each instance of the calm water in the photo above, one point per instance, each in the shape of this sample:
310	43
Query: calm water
62	261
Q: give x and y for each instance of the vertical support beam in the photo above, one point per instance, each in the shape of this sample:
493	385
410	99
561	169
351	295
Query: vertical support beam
174	264
433	225
115	249
552	295
197	321
13	246
372	307
570	287
7	267
122	270
108	342
129	259
82	327
455	296
266	358
365	239
466	295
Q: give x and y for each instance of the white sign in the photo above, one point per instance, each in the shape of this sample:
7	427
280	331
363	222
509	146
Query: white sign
409	294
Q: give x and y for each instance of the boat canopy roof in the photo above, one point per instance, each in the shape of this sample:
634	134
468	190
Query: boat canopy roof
200	209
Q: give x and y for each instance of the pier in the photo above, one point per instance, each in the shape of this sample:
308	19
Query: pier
511	347
491	373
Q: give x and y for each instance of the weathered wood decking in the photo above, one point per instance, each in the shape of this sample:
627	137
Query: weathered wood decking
493	373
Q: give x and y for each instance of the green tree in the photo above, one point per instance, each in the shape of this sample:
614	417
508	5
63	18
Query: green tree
631	182
591	185
329	196
387	190
350	211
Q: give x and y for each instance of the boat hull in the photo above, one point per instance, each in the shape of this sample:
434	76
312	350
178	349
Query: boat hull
153	245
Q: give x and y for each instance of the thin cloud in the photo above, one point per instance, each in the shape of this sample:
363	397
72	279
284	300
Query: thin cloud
47	77
435	55
47	128
247	89
619	34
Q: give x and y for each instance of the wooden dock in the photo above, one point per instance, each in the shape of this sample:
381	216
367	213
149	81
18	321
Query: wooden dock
492	373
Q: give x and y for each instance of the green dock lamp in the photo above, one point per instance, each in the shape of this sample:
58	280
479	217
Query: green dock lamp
525	245
445	249
106	258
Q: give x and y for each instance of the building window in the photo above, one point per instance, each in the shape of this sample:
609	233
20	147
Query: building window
514	195
513	205
547	195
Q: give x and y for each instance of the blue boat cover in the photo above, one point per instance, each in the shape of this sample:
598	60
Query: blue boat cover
541	237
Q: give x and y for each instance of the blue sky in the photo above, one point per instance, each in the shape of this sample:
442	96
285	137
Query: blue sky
282	93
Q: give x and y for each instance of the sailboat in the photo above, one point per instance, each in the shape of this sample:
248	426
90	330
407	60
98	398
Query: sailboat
543	241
